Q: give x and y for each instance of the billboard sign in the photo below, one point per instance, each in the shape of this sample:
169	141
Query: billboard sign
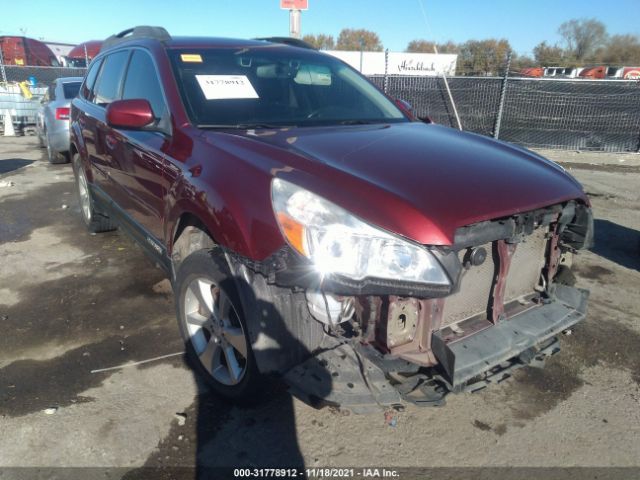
294	4
399	63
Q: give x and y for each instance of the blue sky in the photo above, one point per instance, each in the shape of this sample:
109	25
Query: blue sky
524	23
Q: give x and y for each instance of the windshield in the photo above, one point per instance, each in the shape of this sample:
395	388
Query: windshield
264	87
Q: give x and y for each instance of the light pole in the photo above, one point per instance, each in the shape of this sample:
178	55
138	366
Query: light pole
295	8
294	23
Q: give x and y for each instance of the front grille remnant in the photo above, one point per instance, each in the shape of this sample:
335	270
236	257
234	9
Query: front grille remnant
526	264
475	289
476	283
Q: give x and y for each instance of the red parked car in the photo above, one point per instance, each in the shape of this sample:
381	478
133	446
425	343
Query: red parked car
312	227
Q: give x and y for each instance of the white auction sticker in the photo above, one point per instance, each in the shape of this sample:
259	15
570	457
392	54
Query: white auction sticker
220	87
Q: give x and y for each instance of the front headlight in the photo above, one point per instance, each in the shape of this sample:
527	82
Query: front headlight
339	243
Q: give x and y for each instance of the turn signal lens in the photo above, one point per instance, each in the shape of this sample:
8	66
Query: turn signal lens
293	231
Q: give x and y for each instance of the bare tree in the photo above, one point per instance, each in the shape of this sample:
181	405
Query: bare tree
420	46
320	41
518	62
448	47
621	50
358	39
583	37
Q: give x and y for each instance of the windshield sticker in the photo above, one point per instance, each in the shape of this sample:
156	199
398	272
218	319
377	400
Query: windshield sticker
221	87
191	57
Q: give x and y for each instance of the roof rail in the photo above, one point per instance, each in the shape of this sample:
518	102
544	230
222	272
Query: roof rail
141	31
294	42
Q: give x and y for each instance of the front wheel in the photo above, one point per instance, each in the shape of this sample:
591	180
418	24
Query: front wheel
212	324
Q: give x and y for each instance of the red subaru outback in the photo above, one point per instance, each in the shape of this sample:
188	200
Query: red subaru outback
312	227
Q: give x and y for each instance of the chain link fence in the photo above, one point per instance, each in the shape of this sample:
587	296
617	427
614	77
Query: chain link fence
576	114
23	110
44	76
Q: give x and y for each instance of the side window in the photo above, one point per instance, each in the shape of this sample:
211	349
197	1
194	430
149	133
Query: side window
142	82
52	92
90	80
108	83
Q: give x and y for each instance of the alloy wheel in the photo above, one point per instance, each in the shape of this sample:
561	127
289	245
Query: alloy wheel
215	331
83	190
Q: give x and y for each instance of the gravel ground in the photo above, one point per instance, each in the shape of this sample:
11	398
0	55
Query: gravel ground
73	303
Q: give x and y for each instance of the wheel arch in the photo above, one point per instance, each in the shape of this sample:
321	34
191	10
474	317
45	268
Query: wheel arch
189	234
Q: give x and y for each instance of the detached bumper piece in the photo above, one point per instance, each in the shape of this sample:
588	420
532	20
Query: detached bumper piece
517	341
341	377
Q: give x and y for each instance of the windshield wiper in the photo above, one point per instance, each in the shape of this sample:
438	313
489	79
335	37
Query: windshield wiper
359	122
241	126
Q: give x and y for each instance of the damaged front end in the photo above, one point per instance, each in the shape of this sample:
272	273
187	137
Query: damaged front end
511	294
428	321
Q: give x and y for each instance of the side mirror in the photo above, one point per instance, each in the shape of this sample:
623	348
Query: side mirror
404	106
130	114
407	109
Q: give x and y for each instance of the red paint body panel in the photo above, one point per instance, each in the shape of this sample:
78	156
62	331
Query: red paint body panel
424	180
129	114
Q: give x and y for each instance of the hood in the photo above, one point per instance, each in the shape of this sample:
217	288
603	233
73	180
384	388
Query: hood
446	178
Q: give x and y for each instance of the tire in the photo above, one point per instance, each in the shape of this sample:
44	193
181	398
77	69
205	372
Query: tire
95	221
53	156
211	321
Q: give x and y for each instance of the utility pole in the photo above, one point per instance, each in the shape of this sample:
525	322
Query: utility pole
294	23
295	8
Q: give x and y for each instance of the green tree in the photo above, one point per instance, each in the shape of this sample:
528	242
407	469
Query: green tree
358	39
547	55
518	62
583	37
320	41
483	57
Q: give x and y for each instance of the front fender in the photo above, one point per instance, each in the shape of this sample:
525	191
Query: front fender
232	200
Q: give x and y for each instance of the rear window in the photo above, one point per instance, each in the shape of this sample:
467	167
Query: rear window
71	89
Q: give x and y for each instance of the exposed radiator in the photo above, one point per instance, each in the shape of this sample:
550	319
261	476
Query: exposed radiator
475	288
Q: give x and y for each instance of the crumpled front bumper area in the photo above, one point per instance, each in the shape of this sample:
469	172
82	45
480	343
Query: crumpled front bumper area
358	378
